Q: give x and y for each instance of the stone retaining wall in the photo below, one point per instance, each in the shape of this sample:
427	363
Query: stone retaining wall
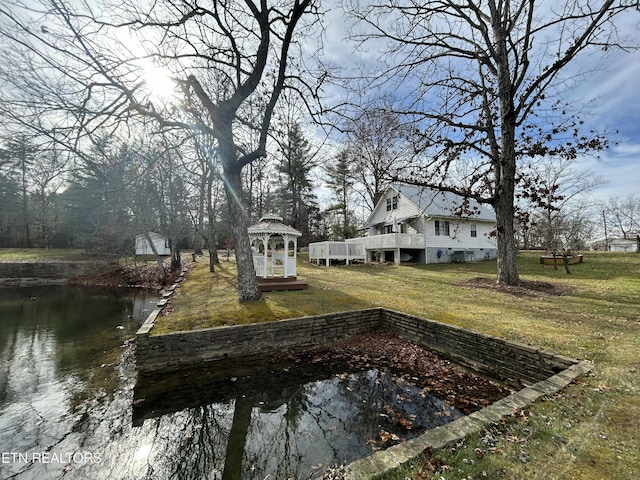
540	372
59	271
513	363
183	350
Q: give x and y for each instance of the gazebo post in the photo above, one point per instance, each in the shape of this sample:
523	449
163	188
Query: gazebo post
285	237
265	241
295	251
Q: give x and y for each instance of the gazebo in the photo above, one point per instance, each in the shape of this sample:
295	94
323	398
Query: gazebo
274	246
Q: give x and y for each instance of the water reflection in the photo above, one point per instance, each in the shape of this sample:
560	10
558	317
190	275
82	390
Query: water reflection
70	407
58	350
289	421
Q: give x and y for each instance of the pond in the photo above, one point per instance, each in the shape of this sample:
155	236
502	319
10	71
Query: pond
60	351
70	407
279	421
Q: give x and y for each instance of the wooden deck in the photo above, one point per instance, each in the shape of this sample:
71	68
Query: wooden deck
273	284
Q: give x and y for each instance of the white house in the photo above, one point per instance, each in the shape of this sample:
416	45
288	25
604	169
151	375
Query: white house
422	225
159	241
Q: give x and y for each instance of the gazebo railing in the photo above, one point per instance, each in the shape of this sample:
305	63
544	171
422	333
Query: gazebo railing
274	265
291	267
259	265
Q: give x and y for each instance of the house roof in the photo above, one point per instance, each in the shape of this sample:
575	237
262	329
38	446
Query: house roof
623	241
272	224
435	203
151	234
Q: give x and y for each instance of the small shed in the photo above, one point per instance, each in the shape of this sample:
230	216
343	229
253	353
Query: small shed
274	246
160	242
624	245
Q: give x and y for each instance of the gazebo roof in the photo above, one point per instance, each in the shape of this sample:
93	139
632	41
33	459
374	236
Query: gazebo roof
272	224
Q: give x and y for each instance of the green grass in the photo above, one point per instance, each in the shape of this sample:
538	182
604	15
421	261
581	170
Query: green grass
588	431
40	254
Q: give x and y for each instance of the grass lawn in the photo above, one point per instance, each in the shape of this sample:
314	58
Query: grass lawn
590	430
40	254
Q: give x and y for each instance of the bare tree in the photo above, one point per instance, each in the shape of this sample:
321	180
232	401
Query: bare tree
48	179
483	80
553	193
379	149
217	69
206	170
623	215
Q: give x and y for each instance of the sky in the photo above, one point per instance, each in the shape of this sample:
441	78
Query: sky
609	95
615	94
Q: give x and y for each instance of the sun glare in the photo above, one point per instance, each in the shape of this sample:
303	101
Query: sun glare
158	82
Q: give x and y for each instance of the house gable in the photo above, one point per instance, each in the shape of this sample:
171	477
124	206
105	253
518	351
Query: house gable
392	208
418	202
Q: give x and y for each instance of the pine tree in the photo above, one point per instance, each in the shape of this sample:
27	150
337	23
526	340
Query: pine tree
340	180
295	194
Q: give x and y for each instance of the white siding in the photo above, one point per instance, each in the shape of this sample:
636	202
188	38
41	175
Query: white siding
460	234
380	215
409	228
161	243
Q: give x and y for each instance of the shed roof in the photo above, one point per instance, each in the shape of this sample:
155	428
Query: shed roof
272	224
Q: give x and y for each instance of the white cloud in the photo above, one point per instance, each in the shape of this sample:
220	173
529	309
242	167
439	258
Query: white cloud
620	171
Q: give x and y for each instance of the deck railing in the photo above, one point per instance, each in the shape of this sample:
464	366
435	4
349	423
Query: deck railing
337	251
391	241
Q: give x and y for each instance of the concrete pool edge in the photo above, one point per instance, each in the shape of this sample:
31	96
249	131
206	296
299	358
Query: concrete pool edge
531	371
385	461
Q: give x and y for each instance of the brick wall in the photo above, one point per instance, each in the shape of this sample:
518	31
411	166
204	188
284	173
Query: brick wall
515	364
182	350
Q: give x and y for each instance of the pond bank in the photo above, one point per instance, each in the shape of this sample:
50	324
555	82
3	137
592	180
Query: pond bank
98	273
533	371
52	272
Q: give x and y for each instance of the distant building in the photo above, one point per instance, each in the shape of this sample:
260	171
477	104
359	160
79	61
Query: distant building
160	242
623	245
617	244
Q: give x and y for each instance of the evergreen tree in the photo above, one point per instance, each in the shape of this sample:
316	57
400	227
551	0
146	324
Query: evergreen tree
340	181
20	153
295	193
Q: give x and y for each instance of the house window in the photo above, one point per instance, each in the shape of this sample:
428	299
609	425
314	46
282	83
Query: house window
392	203
388	229
474	230
442	228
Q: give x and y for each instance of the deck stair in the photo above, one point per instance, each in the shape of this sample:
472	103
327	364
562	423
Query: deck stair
272	284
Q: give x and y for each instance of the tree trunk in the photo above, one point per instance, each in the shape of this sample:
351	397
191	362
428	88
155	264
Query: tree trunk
248	289
505	170
163	272
565	261
176	261
507	265
504	165
211	219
